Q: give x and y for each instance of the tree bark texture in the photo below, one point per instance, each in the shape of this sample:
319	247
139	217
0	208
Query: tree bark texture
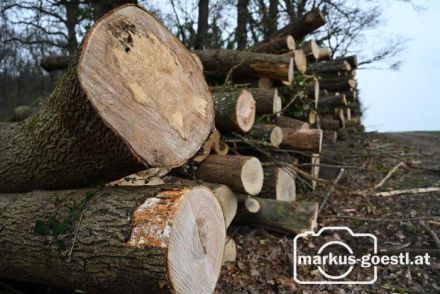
113	239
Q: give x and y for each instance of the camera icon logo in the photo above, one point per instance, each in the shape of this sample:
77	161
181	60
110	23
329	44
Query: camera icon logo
334	259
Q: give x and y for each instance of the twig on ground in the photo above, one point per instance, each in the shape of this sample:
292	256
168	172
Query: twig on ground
331	190
407	191
432	233
382	219
389	174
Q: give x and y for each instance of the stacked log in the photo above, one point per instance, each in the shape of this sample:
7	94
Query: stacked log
240	155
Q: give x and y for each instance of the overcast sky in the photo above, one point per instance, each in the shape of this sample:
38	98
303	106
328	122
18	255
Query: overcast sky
407	99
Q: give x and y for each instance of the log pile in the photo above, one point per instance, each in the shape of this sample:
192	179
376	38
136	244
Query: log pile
222	137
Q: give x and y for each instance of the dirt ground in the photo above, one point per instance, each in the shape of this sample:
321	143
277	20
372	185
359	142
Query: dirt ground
264	261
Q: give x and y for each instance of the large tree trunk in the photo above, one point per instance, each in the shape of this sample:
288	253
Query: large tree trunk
115	110
234	111
114	240
280	216
219	63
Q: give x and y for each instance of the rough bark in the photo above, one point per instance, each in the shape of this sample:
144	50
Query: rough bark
331	66
243	174
291	123
352	60
311	50
303	140
271	134
114	240
337	84
303	25
219	63
329	124
279	183
280	216
267	101
92	129
327	102
276	46
234	111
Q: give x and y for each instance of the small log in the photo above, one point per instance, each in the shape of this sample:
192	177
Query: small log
302	25
300	60
331	136
324	54
279	216
291	123
230	251
311	49
265	83
312	117
234	111
219	63
352	60
162	239
267	101
337	84
330	66
92	130
227	200
276	46
242	174
279	183
313	90
329	124
326	102
302	140
339	113
268	133
311	165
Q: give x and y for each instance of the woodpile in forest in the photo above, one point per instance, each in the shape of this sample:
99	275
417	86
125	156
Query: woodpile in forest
198	140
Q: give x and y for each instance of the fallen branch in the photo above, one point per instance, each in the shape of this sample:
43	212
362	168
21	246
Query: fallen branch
331	190
390	173
432	233
407	191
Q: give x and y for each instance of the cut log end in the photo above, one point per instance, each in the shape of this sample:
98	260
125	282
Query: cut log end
245	111
125	60
195	249
252	205
252	176
277	103
285	186
290	41
291	71
276	137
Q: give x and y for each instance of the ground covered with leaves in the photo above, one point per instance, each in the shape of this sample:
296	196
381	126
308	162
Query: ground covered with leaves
407	223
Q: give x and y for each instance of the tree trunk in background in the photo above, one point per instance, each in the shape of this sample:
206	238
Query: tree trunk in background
101	7
114	240
303	25
202	25
92	129
72	14
272	19
242	20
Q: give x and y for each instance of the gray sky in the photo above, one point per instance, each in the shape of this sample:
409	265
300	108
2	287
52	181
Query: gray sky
407	99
